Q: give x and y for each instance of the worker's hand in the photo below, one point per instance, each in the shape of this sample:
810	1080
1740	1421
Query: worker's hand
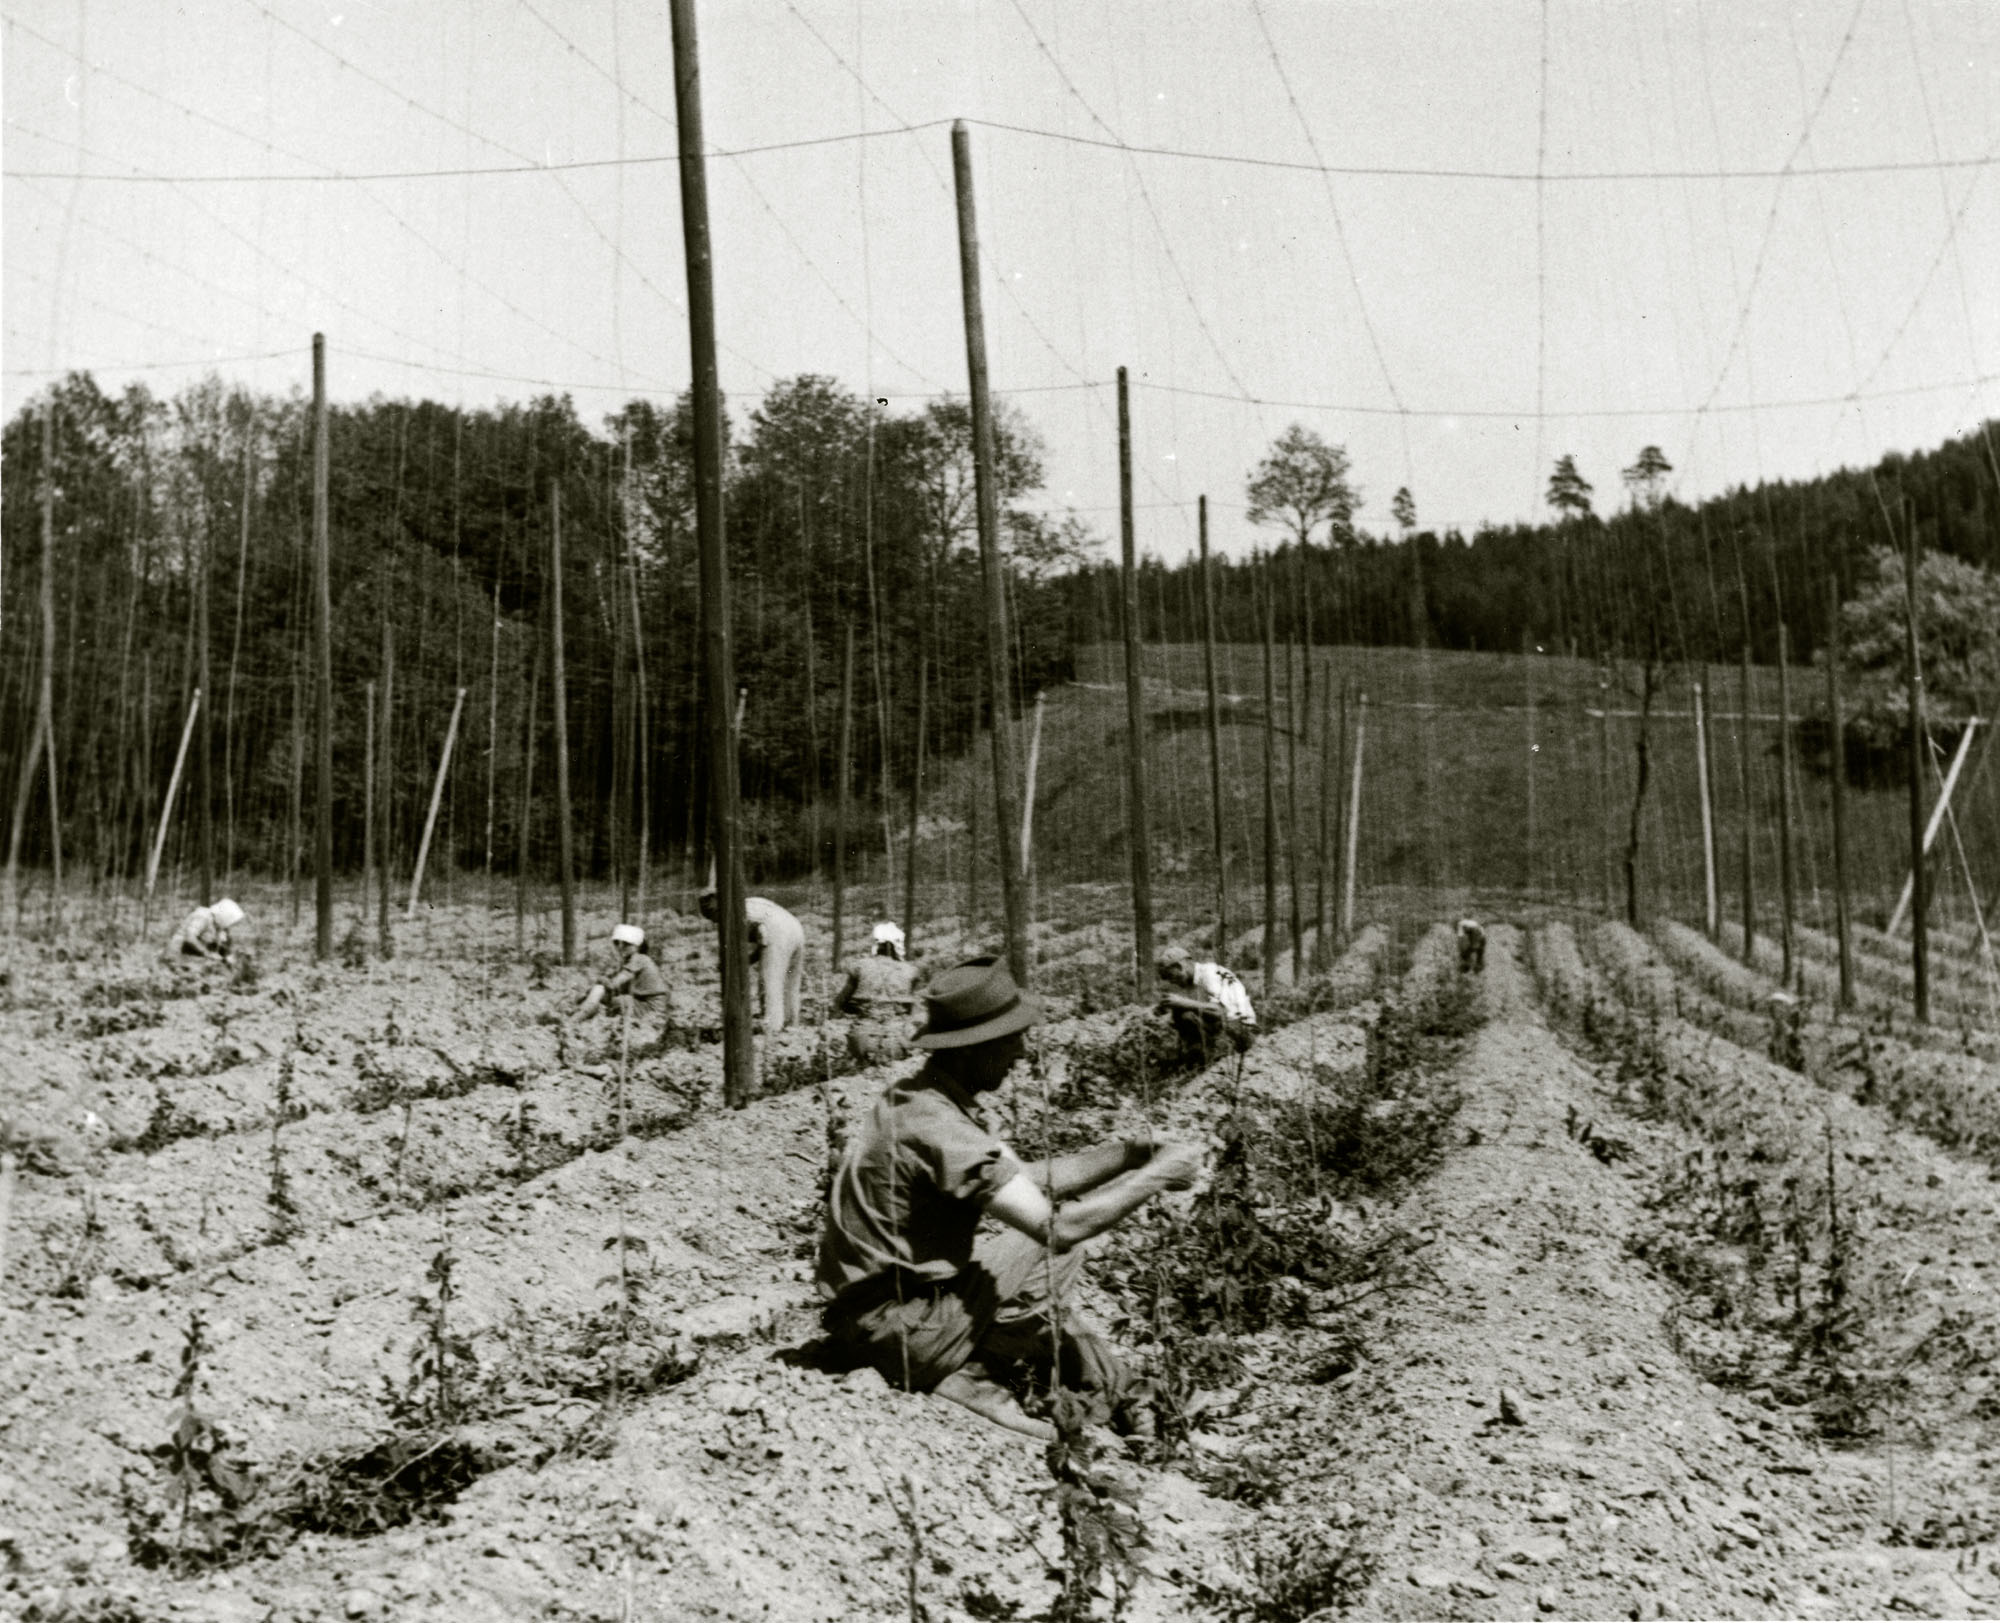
1176	1166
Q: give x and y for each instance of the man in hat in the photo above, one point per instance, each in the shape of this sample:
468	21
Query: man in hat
778	946
1209	1005
880	993
636	980
204	934
910	1286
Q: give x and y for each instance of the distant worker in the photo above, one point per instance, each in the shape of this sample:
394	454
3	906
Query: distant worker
636	983
1210	1009
204	934
881	995
1471	946
778	946
915	1286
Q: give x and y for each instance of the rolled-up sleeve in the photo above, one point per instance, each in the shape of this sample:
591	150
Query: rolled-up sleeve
966	1163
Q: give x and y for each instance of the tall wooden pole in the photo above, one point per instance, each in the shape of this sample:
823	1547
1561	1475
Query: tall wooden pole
45	701
1710	901
1749	805
1135	711
173	786
1920	943
844	773
1787	898
1604	783
718	652
368	801
385	798
559	699
205	730
1837	734
1006	807
1329	795
1354	818
1270	784
1214	733
437	795
1534	748
1292	724
235	656
916	798
323	674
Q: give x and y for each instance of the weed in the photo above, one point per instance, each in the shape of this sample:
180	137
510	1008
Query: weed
1096	1513
1606	1148
284	1209
441	1360
1294	1572
80	1267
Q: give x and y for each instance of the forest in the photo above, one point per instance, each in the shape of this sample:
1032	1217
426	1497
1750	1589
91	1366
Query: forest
180	528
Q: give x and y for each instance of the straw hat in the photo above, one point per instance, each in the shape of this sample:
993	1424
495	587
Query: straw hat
227	914
974	1002
628	934
888	933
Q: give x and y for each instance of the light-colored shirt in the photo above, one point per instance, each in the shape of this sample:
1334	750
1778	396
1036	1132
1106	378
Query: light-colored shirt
640	976
878	988
199	927
1221	987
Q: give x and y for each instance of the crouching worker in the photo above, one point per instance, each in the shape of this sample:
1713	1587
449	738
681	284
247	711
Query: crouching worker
204	934
1471	946
880	995
777	952
1209	1009
910	1285
636	983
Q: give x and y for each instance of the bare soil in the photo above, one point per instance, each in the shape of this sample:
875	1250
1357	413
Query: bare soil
1676	1329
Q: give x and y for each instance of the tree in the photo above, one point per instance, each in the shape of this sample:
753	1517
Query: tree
1569	491
1303	483
1645	477
1404	509
1958	631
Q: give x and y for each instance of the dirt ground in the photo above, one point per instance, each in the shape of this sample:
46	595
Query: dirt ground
1691	1322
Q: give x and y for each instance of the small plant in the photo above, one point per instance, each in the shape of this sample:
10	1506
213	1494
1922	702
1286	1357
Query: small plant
284	1209
1606	1148
1096	1513
1295	1572
80	1266
210	1493
441	1360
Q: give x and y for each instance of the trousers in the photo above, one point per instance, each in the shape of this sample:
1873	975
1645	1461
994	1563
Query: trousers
1001	1307
782	970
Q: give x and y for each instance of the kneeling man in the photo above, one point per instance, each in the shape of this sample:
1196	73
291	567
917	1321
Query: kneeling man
909	1286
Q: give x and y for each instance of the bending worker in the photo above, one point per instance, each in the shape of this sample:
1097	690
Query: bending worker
910	1285
778	945
1211	1006
204	933
880	993
637	980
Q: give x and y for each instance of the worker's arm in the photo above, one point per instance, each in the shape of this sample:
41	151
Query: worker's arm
1020	1203
1081	1171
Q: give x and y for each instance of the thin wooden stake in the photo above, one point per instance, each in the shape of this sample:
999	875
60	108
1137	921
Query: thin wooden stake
323	669
368	800
1329	797
385	778
167	810
559	697
1920	941
1711	911
437	794
1006	813
1292	724
1137	833
1534	747
1214	734
844	774
1749	804
1936	819
1270	977
1604	783
205	732
916	800
1785	891
1028	798
1354	817
1837	774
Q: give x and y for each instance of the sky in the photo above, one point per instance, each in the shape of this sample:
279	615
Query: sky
1459	238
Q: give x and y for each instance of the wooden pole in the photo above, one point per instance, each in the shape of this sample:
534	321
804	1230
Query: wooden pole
173	786
1214	733
916	799
235	656
323	670
1787	898
1711	909
1028	796
368	800
559	699
524	821
1604	782
1935	821
1135	712
492	734
204	731
641	743
1749	804
385	800
843	785
1270	979
1837	774
1006	812
1354	817
296	846
1329	796
437	795
1292	725
1534	747
1920	944
718	656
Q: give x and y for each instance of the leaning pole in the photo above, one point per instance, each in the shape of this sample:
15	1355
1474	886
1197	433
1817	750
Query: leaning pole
1005	795
718	657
